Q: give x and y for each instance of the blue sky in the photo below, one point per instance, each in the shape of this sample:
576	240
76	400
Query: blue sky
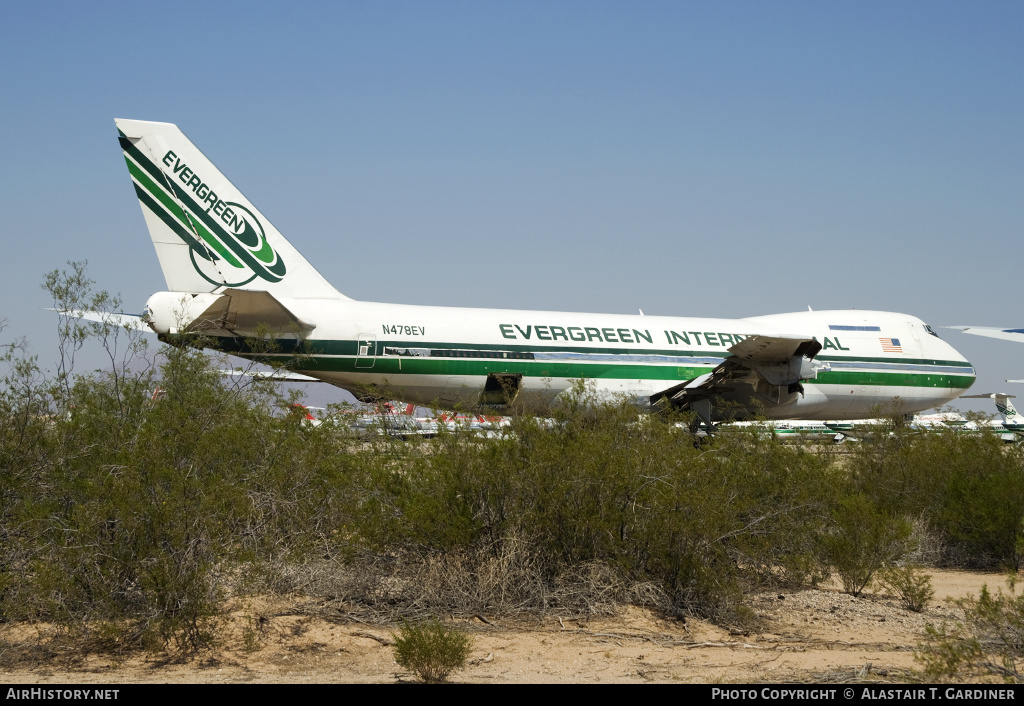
714	159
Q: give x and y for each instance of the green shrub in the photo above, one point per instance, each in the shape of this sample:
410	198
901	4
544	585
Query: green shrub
132	513
864	538
911	584
967	488
121	512
431	650
982	508
988	644
599	484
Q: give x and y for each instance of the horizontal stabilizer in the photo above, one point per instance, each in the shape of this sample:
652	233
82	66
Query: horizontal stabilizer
128	321
1011	417
242	311
278	375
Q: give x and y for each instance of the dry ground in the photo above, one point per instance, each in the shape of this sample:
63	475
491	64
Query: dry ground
818	635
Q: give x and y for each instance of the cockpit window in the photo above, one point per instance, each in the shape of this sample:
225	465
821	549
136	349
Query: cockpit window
930	330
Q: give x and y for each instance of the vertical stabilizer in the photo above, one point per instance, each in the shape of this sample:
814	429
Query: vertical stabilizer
1011	417
207	235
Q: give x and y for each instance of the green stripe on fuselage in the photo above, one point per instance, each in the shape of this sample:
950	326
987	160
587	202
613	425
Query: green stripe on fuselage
341	347
397	367
482	367
901	361
341	356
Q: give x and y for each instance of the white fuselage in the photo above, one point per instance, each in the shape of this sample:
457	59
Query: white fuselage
443	356
231	275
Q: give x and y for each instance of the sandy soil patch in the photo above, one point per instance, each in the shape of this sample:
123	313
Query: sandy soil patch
803	636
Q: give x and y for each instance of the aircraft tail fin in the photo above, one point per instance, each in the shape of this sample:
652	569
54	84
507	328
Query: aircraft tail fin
207	235
1006	408
1010	414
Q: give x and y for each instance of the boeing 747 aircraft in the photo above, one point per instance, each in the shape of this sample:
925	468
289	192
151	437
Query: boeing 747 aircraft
232	276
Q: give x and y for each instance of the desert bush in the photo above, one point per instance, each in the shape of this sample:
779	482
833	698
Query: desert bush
911	584
129	511
140	508
506	580
147	522
126	512
431	650
597	484
987	644
25	410
981	512
863	539
966	488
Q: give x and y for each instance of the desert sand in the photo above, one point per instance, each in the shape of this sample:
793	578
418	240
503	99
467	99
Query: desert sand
820	635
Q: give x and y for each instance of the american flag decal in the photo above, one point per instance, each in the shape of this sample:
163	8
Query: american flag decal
891	345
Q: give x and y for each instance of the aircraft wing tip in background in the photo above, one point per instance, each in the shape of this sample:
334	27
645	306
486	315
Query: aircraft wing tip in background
1007	334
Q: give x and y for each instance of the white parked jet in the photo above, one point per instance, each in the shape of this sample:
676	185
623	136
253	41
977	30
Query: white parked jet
1012	421
231	275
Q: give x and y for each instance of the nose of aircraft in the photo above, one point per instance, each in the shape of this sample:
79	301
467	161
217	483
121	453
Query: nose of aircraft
965	375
